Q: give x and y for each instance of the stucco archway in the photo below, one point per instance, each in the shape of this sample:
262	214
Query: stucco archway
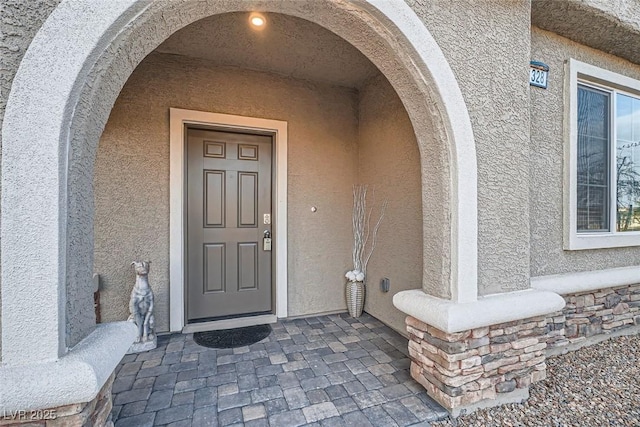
66	86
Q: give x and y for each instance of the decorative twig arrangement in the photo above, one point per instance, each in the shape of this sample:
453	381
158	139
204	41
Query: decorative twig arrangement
364	238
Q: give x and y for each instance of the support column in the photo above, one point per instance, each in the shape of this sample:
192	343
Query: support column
33	286
479	367
32	322
478	354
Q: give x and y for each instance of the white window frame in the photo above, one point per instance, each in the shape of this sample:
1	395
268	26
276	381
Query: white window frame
581	73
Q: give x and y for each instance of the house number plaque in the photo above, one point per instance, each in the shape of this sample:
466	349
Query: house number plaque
538	74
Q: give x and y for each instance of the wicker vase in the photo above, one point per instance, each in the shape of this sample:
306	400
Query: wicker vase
355	298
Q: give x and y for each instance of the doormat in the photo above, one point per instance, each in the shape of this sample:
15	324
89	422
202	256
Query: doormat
232	338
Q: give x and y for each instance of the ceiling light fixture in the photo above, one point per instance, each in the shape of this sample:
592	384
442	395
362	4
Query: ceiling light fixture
257	20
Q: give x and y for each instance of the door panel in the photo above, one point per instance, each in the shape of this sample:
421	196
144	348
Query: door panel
247	152
248	199
214	265
214	149
214	198
247	266
228	194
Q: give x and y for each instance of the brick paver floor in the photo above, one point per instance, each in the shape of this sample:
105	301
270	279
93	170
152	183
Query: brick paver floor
321	371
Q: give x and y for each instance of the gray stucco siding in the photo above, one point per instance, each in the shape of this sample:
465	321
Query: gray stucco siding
337	137
520	163
132	176
547	157
19	22
503	242
78	297
388	162
487	46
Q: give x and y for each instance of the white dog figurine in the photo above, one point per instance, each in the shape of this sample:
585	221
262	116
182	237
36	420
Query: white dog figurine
141	303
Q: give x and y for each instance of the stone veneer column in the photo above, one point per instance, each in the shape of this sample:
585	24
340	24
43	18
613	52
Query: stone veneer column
479	367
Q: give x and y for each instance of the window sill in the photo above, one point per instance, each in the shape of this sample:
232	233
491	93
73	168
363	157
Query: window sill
602	241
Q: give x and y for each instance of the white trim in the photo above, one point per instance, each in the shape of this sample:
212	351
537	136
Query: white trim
579	72
488	310
177	119
587	281
75	377
239	322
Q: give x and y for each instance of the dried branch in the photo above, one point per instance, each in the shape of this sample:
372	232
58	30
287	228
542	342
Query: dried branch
363	247
375	236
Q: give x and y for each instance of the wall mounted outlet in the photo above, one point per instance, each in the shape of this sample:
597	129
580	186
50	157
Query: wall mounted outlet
384	284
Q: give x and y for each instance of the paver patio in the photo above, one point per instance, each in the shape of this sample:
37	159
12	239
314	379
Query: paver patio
323	371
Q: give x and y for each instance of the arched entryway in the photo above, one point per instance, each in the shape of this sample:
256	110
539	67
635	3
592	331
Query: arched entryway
61	98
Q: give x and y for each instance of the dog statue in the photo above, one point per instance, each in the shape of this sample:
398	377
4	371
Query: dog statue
141	305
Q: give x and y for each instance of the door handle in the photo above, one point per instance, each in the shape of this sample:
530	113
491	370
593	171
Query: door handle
267	240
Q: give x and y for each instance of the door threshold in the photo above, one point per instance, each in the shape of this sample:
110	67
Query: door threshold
239	322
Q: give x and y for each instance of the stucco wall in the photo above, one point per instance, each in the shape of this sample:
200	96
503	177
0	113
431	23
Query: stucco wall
487	46
132	176
390	164
489	37
19	22
613	24
547	157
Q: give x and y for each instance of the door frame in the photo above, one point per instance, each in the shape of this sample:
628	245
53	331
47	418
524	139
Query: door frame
178	119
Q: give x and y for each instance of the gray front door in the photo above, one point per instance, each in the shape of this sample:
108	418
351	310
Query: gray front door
228	211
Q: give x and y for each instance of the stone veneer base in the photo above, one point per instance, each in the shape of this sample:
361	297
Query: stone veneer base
519	395
96	413
486	366
479	367
594	316
555	351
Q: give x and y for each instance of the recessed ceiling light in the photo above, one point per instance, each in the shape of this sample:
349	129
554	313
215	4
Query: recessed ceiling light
257	20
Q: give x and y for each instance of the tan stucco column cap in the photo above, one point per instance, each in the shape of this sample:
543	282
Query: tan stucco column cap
488	310
76	377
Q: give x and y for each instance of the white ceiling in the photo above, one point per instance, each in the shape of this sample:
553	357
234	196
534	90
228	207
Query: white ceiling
287	46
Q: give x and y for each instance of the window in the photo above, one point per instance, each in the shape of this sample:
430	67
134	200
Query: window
604	161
